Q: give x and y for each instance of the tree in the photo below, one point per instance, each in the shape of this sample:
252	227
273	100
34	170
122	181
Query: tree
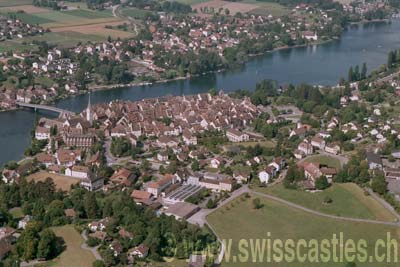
293	175
328	200
98	263
391	59
379	184
91	207
120	147
322	183
211	204
351	74
195	165
257	203
364	71
47	246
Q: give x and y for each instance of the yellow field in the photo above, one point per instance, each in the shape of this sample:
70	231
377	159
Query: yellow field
96	28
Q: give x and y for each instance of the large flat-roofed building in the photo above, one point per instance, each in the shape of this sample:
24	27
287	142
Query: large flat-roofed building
182	210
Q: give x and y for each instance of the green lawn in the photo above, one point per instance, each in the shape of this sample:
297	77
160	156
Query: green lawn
325	160
6	3
348	200
238	220
44	80
74	255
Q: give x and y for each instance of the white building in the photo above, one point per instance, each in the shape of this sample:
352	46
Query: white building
234	135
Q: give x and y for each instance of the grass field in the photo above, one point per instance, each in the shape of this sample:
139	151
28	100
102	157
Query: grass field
62	39
324	160
267	144
88	14
62	182
74	255
31	18
4	3
267	8
238	220
16	45
348	200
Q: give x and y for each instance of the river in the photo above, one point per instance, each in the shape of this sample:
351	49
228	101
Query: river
318	64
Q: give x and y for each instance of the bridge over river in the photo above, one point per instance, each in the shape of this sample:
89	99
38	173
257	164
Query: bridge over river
44	107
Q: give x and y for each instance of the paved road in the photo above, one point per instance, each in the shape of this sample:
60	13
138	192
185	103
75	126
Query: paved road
384	203
115	10
200	217
94	250
299	207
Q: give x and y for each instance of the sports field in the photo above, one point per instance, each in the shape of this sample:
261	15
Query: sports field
239	220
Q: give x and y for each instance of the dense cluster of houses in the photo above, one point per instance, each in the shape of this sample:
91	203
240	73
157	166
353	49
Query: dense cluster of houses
15	28
362	7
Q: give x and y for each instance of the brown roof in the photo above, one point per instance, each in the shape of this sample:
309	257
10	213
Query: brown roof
122	176
77	168
141	195
44	158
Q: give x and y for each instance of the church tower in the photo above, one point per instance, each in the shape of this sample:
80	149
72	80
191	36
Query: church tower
89	115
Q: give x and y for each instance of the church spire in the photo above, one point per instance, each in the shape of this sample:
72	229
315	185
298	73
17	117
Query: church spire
89	115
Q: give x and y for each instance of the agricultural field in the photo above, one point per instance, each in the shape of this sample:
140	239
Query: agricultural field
284	222
73	255
348	200
79	24
61	181
246	6
25	8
